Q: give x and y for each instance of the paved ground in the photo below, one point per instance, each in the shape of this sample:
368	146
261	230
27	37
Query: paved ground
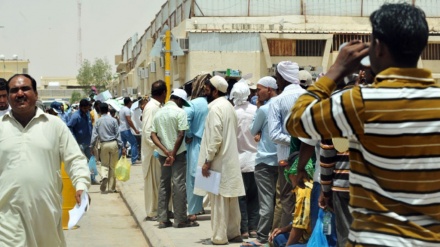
108	223
132	192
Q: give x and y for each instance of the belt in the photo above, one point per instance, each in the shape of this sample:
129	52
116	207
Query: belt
110	140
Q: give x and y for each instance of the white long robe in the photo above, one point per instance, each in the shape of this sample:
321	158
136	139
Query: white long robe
219	144
150	164
30	179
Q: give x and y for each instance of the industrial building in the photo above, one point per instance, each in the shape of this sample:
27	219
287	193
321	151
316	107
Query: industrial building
252	36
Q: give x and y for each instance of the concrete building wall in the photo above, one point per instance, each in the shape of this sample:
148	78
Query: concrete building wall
246	62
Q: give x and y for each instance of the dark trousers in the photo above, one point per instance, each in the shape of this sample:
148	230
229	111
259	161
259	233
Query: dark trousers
249	206
175	175
287	198
342	215
266	179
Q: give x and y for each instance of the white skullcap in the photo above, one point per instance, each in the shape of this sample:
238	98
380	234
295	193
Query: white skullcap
289	71
240	93
219	83
268	81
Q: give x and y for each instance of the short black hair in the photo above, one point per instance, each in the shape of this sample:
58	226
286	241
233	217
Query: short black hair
103	107
3	83
403	28
127	100
158	88
33	81
84	102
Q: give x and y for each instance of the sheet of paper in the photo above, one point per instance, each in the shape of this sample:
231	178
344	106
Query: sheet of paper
78	211
210	184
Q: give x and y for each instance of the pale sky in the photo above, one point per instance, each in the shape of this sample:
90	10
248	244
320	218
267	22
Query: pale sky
45	31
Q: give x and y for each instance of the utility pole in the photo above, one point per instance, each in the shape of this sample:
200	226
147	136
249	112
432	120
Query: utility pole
167	52
79	56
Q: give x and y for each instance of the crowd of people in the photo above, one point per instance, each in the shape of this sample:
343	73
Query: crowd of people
361	146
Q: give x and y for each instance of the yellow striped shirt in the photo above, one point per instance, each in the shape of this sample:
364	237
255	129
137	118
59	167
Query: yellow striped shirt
394	131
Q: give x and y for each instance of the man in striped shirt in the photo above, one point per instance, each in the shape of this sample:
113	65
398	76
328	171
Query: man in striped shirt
392	127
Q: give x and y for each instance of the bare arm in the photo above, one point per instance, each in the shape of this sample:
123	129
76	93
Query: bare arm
294	236
130	123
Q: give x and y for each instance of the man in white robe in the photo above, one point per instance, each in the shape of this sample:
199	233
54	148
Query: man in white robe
151	164
33	145
219	152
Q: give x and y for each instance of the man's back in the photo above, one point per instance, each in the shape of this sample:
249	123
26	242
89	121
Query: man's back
123	113
81	126
168	121
196	115
394	150
279	108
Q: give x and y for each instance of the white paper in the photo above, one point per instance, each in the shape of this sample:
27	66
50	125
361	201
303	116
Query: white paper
210	184
78	211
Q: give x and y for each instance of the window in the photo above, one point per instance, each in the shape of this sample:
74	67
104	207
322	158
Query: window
431	52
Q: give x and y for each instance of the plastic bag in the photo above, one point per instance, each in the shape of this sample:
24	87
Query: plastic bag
122	171
92	167
318	238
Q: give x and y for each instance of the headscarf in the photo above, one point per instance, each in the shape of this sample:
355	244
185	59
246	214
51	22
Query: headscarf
240	93
289	71
198	85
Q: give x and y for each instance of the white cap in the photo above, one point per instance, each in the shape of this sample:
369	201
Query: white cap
268	81
181	94
252	85
219	83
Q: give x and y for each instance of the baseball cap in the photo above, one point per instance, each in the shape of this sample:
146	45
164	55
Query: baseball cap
268	81
219	83
56	106
181	94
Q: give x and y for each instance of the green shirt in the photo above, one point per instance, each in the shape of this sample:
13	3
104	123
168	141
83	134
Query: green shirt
167	122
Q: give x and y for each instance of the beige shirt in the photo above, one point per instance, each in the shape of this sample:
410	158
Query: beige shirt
147	144
30	179
219	144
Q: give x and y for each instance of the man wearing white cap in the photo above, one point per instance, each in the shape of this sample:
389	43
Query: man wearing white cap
247	149
167	133
219	152
266	169
289	84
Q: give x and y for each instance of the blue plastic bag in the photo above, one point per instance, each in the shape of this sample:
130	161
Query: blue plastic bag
318	239
92	167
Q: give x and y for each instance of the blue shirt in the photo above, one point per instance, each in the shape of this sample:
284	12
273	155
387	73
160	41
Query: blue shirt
196	115
266	149
80	125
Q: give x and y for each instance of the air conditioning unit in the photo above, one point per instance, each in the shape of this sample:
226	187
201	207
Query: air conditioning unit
144	73
184	44
162	62
153	67
129	90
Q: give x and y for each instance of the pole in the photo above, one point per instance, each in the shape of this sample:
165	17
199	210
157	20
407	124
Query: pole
168	62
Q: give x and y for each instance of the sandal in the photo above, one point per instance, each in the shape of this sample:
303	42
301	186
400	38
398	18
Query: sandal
251	244
237	239
192	217
201	212
209	242
253	234
152	218
165	224
187	223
